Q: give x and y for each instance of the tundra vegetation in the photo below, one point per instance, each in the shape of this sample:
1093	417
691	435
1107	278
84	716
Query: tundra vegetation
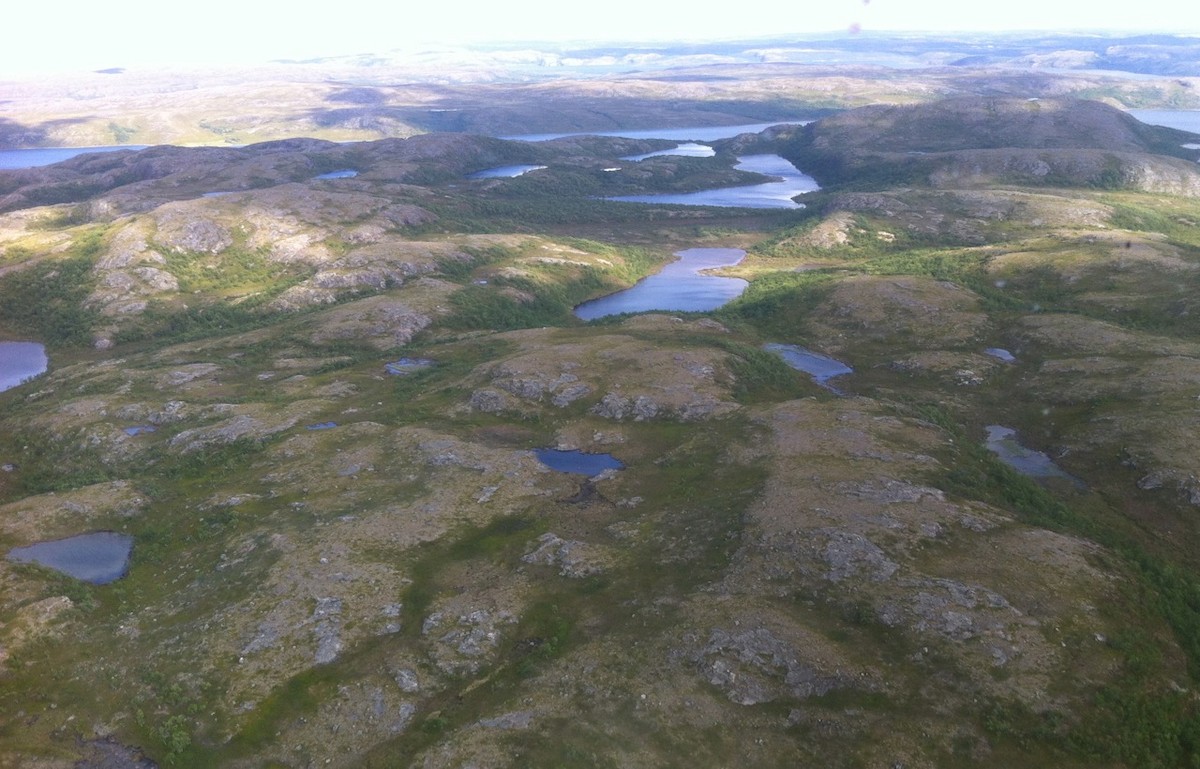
780	575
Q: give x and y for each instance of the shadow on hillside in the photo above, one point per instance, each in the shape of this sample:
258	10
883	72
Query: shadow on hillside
14	135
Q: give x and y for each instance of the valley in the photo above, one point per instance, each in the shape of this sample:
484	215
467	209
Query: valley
330	409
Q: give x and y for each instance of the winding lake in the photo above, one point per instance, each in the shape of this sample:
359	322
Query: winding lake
99	558
777	194
20	361
680	286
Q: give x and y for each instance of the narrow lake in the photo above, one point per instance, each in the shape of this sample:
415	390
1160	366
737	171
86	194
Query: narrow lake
20	361
44	156
686	150
1002	441
821	368
680	286
1183	119
777	194
696	134
503	172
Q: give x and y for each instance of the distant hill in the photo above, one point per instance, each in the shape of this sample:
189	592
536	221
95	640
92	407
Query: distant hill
977	140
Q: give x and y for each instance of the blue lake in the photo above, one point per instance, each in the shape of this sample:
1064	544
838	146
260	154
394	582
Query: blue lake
680	286
503	172
345	173
696	134
44	156
1001	353
140	430
777	194
1002	441
99	558
1183	119
20	361
577	462
406	366
820	367
687	150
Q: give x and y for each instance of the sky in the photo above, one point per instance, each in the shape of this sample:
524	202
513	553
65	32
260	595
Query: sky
87	34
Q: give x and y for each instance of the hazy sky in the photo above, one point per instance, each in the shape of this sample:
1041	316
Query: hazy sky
88	34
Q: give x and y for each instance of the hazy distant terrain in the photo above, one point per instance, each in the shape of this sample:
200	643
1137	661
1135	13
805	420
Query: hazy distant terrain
533	89
313	381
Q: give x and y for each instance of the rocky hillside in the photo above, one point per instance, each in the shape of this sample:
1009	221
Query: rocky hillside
982	141
318	407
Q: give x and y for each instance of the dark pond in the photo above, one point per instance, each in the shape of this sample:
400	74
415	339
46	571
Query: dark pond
1001	353
20	361
578	462
1002	441
344	173
322	426
777	194
680	286
140	429
820	367
99	558
407	366
503	172
44	156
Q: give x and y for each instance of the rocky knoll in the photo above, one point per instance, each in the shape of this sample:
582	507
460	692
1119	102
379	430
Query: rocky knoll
977	141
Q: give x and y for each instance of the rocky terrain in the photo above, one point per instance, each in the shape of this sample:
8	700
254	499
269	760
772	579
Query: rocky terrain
342	562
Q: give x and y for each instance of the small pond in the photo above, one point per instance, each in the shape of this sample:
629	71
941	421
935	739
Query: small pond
140	430
777	194
575	461
1002	441
322	426
343	173
20	361
503	172
99	558
680	286
820	367
687	150
406	366
1001	353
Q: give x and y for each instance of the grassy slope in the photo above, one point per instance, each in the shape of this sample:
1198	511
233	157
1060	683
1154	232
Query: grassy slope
617	667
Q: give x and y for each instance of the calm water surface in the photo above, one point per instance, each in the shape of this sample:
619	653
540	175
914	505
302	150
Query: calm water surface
1002	441
777	194
99	558
20	361
1183	119
821	368
680	286
687	150
345	173
504	172
44	156
696	134
577	462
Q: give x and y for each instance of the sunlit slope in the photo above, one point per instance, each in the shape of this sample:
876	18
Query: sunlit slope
337	565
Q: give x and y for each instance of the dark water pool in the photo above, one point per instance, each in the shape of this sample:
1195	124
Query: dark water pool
99	558
578	462
821	368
